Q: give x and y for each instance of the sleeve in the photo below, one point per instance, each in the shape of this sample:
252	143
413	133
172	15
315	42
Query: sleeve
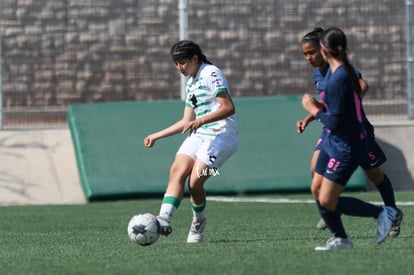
336	104
217	82
358	73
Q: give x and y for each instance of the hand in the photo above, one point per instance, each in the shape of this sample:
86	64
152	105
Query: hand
301	125
310	104
149	141
192	126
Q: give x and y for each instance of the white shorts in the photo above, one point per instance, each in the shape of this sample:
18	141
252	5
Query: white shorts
212	151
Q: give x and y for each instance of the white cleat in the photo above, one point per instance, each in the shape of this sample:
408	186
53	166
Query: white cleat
336	243
196	233
321	224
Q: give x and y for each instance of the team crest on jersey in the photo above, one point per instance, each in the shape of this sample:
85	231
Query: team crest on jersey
193	100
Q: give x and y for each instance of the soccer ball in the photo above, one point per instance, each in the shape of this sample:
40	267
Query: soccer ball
144	229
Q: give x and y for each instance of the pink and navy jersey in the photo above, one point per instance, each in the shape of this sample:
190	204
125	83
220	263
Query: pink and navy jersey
343	116
319	79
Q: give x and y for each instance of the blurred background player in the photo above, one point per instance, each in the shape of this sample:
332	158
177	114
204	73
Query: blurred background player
343	147
210	121
374	156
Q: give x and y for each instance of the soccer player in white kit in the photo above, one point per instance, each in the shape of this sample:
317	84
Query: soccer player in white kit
209	119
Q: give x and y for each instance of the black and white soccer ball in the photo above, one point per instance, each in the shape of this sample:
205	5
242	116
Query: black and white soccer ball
144	229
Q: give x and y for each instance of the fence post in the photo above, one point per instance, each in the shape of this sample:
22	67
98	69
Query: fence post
183	11
409	11
1	86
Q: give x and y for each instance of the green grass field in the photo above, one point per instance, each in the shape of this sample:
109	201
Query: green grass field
241	238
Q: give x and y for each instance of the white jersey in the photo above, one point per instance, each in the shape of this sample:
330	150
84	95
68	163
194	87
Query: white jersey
201	92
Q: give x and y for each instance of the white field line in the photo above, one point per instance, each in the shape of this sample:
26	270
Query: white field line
282	200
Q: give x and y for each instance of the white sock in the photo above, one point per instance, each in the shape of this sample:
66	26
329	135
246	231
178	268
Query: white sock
198	211
166	211
168	206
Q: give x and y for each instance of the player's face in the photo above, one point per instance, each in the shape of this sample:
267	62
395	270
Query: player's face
312	54
188	67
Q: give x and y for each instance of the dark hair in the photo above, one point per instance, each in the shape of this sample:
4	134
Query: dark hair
334	40
312	36
186	49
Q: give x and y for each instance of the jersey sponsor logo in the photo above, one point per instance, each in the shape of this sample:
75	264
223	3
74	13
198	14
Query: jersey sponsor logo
218	82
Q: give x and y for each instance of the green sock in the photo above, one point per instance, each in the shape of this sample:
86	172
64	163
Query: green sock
168	206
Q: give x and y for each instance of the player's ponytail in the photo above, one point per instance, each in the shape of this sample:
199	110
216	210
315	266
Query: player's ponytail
186	49
334	40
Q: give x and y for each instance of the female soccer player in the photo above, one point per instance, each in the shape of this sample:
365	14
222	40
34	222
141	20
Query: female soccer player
374	156
209	119
343	146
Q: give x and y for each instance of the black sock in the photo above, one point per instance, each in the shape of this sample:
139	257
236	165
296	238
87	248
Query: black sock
333	221
386	191
356	207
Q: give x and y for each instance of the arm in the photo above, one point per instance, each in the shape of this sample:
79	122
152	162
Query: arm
364	87
171	130
226	109
314	108
301	124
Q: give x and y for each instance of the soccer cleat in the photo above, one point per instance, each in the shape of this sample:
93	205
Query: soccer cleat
384	222
321	224
336	243
396	223
196	233
165	226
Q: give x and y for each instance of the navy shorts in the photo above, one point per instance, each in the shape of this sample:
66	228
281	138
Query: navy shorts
336	162
374	156
321	138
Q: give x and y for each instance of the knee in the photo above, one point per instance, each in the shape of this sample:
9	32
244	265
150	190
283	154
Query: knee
314	191
328	204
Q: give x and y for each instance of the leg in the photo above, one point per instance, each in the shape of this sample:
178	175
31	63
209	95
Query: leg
328	199
386	190
199	175
374	158
333	206
329	194
179	171
313	161
316	185
383	185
